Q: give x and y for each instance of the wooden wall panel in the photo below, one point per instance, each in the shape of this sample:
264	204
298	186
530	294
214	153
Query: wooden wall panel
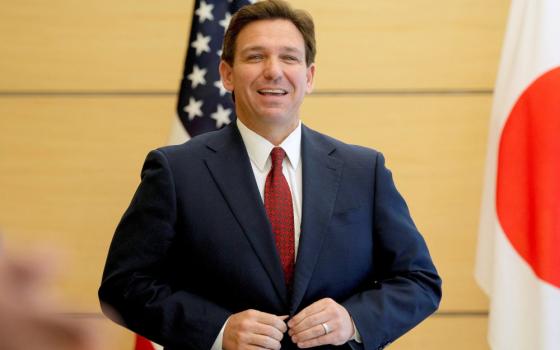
68	169
395	45
443	333
139	45
64	45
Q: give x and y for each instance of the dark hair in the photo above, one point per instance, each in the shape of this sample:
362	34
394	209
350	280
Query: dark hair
270	9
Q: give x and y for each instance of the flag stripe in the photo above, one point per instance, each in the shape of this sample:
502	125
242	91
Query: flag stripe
143	344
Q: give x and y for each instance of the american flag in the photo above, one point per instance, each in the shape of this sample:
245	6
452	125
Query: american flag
204	104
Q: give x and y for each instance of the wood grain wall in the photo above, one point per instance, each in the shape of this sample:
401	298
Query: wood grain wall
87	88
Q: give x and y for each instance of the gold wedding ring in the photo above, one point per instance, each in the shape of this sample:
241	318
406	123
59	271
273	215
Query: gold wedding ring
326	328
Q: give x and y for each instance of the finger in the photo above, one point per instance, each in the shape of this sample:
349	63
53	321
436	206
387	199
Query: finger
314	332
314	308
310	322
324	340
257	322
254	347
268	331
274	321
319	312
263	341
263	323
249	328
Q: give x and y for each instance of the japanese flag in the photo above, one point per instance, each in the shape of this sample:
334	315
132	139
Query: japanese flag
518	258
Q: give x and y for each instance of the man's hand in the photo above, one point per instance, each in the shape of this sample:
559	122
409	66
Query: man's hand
252	329
307	329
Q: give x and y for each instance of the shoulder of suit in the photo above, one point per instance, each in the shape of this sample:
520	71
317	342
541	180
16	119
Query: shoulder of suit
197	146
340	148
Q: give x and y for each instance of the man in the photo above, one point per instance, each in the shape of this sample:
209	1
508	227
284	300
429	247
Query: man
267	234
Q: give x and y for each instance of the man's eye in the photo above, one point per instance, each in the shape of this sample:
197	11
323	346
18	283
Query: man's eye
254	57
291	59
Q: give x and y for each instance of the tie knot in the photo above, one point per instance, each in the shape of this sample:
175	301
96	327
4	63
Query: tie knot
277	156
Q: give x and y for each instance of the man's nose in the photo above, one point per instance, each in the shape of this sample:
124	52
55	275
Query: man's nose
272	69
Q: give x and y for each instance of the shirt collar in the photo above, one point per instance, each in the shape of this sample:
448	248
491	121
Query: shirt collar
259	148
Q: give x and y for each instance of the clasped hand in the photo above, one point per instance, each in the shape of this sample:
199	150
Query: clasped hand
321	323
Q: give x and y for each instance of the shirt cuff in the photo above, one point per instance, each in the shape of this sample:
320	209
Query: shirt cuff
220	338
356	337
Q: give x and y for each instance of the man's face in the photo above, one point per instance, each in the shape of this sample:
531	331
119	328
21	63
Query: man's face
269	75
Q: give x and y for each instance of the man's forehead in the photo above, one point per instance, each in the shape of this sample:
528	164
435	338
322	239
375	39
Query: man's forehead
267	34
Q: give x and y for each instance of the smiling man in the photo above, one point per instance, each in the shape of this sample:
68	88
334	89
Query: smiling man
269	75
267	234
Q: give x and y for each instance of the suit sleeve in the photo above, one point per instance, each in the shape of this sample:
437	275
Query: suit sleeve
407	288
136	289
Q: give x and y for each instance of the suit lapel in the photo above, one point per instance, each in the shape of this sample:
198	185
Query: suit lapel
231	169
321	178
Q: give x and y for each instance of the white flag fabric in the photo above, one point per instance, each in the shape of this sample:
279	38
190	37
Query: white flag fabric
177	134
518	257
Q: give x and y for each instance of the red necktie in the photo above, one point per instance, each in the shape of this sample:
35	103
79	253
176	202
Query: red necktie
278	204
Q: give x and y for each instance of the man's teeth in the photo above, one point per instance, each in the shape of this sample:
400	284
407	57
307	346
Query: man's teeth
278	92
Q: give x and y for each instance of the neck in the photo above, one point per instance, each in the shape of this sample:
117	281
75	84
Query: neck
274	133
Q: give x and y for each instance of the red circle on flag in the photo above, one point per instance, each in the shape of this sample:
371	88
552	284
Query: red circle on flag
528	183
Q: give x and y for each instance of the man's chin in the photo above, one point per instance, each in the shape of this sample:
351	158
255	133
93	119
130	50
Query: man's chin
278	118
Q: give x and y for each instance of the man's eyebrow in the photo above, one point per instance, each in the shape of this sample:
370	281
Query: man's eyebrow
292	49
252	48
262	48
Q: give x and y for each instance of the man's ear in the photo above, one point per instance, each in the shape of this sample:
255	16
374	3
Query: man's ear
310	78
226	73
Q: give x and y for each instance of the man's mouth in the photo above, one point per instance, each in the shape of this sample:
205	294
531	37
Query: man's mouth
272	92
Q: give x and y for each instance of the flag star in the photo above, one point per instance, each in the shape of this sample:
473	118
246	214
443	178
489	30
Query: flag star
225	22
220	86
252	1
204	12
201	44
219	53
197	76
221	116
194	108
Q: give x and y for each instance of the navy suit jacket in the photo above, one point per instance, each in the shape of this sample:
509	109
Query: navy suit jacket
195	245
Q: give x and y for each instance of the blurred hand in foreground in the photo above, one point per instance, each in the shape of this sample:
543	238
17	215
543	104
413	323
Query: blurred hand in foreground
28	313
